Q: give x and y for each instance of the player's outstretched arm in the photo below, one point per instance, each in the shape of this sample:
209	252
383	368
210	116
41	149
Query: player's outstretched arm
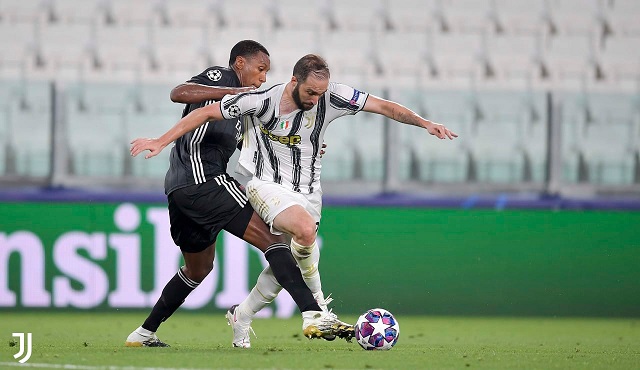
188	123
193	93
403	114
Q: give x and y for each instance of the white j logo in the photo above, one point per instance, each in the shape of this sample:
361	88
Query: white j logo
21	352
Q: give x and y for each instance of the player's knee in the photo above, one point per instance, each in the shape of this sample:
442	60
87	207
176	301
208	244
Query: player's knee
198	273
304	246
306	235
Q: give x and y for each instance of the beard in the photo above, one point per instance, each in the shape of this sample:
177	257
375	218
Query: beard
295	94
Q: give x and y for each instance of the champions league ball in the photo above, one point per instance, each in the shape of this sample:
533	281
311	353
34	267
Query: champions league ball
377	329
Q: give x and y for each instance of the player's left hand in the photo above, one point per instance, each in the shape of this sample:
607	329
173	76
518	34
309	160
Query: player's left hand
440	131
141	144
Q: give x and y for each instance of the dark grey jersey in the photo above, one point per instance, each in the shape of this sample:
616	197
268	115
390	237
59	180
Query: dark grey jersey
203	154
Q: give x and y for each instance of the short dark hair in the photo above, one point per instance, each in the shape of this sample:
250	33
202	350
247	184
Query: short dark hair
311	64
245	48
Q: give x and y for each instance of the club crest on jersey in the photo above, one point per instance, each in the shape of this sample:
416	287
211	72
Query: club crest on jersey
214	75
284	125
310	118
233	111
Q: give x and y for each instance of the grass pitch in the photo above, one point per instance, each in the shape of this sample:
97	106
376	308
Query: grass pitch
91	341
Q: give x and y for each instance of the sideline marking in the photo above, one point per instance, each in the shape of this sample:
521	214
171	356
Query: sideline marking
88	367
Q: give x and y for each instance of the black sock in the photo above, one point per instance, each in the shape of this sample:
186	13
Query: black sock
173	295
289	276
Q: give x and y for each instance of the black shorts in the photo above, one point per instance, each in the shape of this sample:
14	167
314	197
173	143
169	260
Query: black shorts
198	212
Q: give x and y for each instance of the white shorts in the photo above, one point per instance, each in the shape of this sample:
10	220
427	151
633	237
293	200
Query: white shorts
269	199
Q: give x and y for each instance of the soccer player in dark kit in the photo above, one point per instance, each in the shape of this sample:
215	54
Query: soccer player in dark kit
203	200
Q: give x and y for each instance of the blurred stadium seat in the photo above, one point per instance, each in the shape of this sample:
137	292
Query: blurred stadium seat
95	155
30	138
17	48
497	143
468	16
178	50
521	16
65	49
245	14
353	15
26	128
338	49
193	13
620	60
132	13
571	60
573	113
122	60
36	11
77	11
611	137
412	15
456	57
295	15
426	160
392	55
514	59
93	109
622	17
564	18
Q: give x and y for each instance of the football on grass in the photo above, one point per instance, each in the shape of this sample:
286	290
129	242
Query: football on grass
377	329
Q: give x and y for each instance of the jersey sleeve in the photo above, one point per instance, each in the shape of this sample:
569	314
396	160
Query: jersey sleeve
346	99
215	76
234	106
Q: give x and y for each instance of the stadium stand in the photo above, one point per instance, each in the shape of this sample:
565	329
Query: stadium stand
622	17
76	11
17	48
29	132
151	113
521	16
620	61
514	60
611	137
411	15
421	159
466	16
484	67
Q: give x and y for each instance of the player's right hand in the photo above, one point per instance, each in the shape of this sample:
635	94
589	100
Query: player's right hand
141	144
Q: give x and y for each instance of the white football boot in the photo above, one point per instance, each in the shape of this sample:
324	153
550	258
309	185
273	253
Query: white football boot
342	329
325	325
240	328
142	337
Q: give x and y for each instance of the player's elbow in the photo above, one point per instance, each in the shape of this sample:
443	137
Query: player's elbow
179	95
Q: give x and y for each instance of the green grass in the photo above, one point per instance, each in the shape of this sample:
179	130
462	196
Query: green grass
90	340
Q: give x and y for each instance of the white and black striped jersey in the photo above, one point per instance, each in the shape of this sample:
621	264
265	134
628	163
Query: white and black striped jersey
286	148
203	154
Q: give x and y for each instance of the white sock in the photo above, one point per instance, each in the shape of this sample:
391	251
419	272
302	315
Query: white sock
263	293
308	259
144	331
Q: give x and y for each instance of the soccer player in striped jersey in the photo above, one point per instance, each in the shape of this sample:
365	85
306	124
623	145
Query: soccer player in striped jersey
286	127
203	199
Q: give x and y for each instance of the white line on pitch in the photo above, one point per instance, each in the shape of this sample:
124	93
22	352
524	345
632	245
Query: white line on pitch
85	367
